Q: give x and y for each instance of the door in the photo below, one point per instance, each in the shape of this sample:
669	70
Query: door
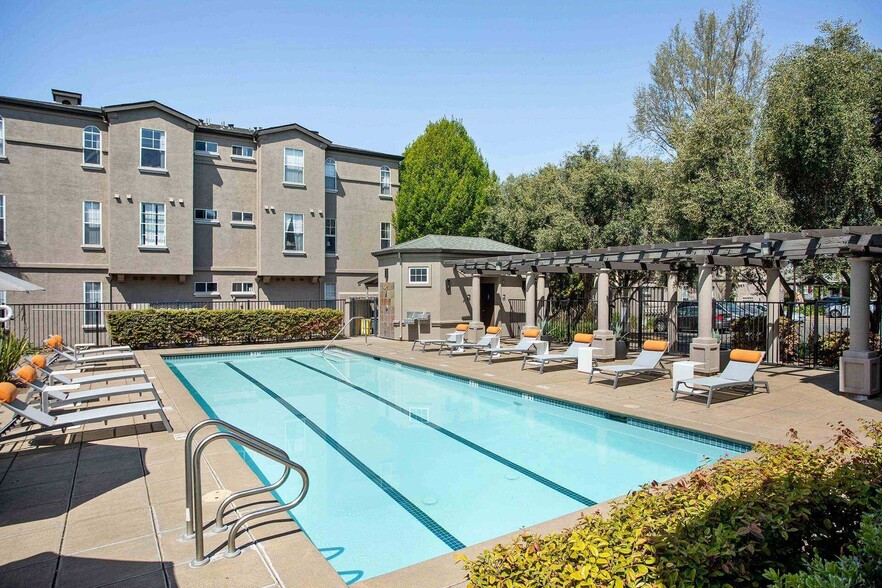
488	303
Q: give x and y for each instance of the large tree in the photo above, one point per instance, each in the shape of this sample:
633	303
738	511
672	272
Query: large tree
444	181
690	68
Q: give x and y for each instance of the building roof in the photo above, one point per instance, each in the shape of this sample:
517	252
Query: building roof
360	151
152	104
452	244
54	106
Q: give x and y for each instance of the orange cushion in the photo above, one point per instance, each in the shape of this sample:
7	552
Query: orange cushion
746	356
26	373
655	345
583	338
493	330
8	392
59	337
531	332
462	327
39	361
52	343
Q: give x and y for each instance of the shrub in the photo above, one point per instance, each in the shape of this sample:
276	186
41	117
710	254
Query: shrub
749	332
725	524
831	346
12	349
175	328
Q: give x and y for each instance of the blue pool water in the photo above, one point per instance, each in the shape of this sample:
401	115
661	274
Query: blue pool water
406	464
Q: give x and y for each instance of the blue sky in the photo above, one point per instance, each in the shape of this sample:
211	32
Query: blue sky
529	80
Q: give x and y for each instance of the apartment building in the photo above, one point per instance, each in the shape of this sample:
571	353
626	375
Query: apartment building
142	203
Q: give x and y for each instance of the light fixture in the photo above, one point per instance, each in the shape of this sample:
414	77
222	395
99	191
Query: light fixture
766	248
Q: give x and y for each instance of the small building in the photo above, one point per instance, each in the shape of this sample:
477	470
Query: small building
419	297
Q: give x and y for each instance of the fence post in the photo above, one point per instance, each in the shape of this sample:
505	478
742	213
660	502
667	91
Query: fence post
815	338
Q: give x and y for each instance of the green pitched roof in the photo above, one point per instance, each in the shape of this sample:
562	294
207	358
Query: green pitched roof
452	243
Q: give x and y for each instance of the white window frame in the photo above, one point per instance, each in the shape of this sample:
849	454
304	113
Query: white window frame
89	144
285	232
2	138
160	243
87	223
412	282
207	291
207	151
383	229
333	165
162	149
385	181
94	313
332	234
333	287
246	290
205	220
3	227
241	222
242	155
293	166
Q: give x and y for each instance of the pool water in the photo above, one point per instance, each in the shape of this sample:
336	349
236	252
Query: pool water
406	464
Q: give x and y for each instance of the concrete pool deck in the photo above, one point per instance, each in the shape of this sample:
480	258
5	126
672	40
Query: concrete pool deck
104	505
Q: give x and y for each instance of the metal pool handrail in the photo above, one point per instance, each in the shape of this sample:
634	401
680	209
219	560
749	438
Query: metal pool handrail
193	485
343	328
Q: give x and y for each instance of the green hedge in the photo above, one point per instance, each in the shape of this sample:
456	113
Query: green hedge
175	328
723	525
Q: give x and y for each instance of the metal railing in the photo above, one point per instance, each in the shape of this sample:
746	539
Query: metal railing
193	485
340	332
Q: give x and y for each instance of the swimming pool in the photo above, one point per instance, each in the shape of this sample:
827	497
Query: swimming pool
406	464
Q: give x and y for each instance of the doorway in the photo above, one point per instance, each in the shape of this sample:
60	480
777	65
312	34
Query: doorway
488	304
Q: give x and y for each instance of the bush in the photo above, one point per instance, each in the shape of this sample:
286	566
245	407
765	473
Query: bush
725	524
831	346
175	328
749	332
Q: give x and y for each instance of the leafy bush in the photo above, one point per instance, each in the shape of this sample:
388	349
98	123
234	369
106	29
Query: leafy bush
831	346
789	341
749	332
725	524
175	328
12	349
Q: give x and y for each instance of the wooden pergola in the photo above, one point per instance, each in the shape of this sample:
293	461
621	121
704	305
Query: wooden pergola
859	365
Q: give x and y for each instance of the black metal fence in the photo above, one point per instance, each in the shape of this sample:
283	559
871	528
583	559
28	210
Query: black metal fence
563	318
638	314
84	323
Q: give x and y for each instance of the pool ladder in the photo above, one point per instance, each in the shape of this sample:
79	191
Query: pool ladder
339	354
193	485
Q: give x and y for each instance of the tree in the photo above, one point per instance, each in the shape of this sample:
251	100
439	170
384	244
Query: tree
692	68
444	183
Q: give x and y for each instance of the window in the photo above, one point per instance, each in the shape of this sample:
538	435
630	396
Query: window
205	289
91	146
385	181
385	235
205	148
243	217
330	235
293	166
152	149
293	232
243	288
330	175
205	215
2	138
2	219
418	275
92	302
244	152
152	224
91	223
330	291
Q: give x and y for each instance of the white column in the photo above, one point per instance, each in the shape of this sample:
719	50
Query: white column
673	295
530	303
859	365
476	298
604	338
705	349
773	297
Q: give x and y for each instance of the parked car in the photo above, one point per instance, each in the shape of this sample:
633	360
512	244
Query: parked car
838	310
687	318
828	301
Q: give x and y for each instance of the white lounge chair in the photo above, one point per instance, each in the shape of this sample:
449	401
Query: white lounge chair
456	336
47	422
489	341
76	376
54	396
740	372
570	355
88	348
62	355
527	344
646	363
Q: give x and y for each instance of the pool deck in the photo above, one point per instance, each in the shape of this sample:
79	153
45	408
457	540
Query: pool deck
104	504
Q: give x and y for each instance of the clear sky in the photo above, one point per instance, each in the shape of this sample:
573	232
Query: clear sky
530	80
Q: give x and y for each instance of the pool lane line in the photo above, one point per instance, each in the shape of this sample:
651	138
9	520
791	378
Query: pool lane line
415	511
471	445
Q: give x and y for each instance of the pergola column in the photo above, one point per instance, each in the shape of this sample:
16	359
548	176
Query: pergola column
673	295
604	338
530	303
476	325
705	349
773	297
859	364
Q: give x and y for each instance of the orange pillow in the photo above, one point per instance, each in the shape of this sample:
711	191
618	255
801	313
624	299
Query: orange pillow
59	337
746	355
462	327
26	373
655	345
493	330
531	332
39	361
8	392
583	338
52	343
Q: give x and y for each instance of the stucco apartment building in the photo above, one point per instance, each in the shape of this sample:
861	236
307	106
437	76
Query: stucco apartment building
142	203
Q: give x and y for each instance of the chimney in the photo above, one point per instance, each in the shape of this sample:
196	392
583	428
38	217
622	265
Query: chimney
67	98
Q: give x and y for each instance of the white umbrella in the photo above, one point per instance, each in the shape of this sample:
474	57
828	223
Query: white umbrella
11	283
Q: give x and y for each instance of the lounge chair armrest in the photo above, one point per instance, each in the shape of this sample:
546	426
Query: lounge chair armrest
70	372
62	388
83	345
